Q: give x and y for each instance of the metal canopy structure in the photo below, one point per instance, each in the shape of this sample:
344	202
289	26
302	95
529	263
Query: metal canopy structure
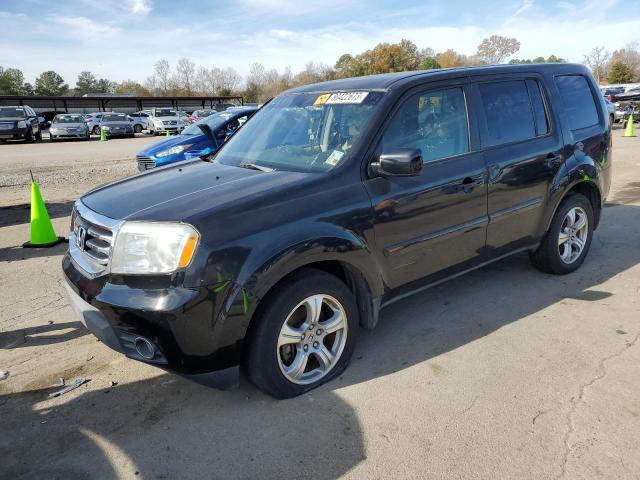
106	103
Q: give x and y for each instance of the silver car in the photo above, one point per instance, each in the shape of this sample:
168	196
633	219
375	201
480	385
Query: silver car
117	125
68	125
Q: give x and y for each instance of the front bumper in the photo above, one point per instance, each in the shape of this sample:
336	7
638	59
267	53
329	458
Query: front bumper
187	327
119	133
167	128
13	134
82	134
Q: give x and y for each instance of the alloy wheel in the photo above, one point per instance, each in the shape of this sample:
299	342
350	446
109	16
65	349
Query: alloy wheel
573	235
312	339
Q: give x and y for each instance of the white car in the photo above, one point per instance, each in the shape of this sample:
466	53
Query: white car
140	121
93	121
165	120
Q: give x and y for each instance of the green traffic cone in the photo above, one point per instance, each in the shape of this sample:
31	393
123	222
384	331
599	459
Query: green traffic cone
167	133
103	135
42	233
630	130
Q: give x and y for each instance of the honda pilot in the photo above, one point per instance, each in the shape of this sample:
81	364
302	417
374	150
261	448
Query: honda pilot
333	201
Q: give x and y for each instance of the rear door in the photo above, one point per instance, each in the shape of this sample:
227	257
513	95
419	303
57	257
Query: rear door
427	223
523	150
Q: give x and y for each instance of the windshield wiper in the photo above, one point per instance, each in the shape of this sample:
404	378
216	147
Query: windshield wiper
253	166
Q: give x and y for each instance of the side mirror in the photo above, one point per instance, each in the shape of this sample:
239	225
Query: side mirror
399	162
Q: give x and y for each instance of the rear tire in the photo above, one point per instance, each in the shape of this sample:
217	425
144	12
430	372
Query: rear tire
39	136
96	130
303	335
28	137
137	128
566	243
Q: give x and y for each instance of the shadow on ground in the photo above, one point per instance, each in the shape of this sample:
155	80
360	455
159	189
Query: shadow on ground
48	334
21	213
17	252
168	427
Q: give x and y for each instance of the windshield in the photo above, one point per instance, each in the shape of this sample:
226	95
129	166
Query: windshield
68	119
12	112
165	112
117	117
202	113
214	122
307	132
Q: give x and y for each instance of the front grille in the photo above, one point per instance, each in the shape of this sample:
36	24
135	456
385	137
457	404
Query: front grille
6	125
93	240
145	163
169	122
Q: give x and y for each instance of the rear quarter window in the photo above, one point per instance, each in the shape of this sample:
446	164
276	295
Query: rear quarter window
578	100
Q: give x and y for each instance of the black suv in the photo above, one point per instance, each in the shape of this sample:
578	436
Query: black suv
333	201
19	123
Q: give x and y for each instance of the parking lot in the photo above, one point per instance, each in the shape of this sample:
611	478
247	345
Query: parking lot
503	373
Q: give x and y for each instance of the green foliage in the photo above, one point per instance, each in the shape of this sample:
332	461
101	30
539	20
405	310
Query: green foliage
12	82
86	83
620	72
429	63
50	83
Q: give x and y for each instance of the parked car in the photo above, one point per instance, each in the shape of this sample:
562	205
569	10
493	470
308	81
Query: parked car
335	200
140	121
19	123
117	125
185	117
93	121
200	114
165	119
69	125
204	136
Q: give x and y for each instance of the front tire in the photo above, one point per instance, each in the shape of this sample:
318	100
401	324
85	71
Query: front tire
96	130
566	244
303	335
137	128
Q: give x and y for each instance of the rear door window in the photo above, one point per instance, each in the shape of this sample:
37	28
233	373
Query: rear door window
579	103
508	112
539	112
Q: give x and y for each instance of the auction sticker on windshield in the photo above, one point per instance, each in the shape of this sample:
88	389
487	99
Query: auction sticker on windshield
347	97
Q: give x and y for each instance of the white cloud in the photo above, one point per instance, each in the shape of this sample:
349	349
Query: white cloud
81	27
140	7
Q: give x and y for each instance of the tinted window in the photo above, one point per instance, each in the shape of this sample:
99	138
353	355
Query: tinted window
542	125
578	101
508	112
434	122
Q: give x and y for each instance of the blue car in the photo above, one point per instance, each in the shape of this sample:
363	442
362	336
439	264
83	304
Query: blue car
201	138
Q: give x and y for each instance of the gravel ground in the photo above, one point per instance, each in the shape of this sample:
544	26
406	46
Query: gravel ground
503	373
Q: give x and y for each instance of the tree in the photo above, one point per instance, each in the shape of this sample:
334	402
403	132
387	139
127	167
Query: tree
12	82
104	85
429	63
496	49
185	76
86	83
255	82
620	73
132	87
228	81
390	57
597	61
347	66
50	83
630	56
451	58
160	81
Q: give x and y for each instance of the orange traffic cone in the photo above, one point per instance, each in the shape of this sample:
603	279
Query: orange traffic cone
42	233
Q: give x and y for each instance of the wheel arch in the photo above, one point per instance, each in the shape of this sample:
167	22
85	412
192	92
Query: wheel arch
587	188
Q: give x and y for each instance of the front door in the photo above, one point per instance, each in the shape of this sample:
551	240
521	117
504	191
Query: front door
427	223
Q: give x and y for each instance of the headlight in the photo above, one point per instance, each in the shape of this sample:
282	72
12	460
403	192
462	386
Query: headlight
53	129
22	124
104	127
172	150
152	248
157	122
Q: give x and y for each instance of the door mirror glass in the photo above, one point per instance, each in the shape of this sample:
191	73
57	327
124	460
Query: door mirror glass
399	162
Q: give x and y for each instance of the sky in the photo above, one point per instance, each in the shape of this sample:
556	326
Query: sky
122	39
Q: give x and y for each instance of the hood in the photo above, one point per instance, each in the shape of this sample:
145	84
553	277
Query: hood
11	119
171	142
68	125
182	190
116	124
